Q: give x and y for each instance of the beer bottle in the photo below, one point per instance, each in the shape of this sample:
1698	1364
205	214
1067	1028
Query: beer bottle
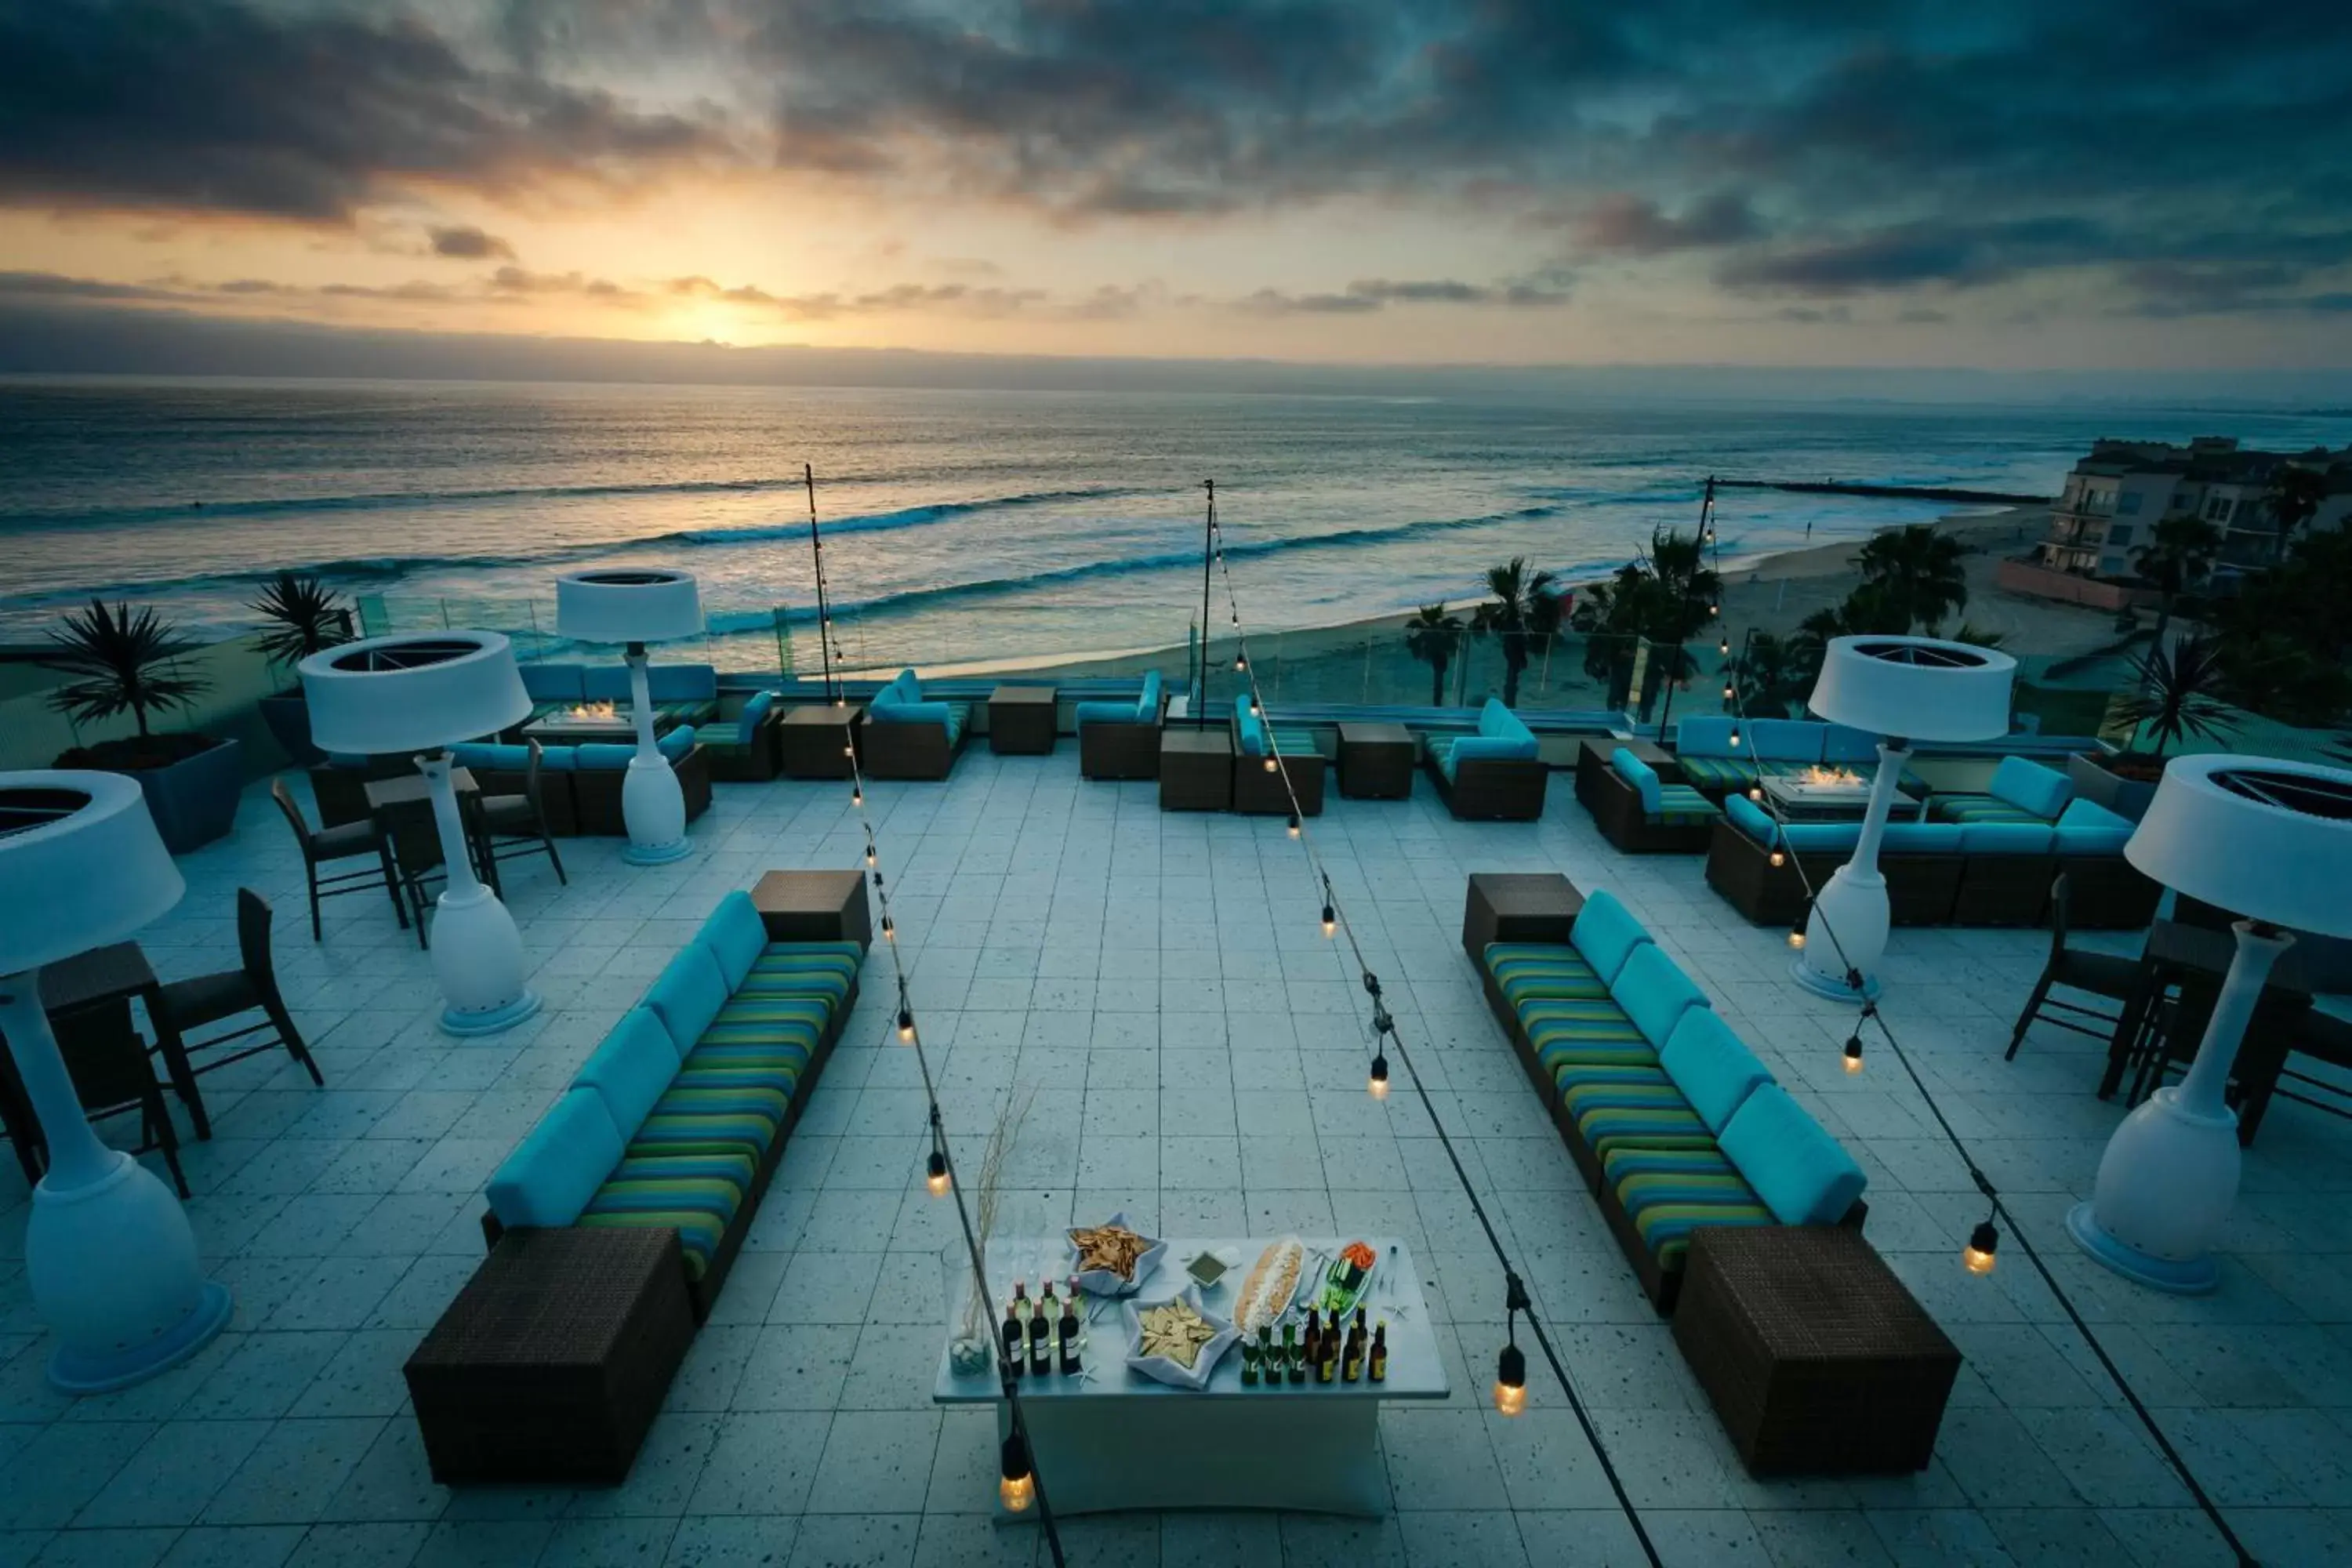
1377	1364
1351	1355
1313	1339
1294	1362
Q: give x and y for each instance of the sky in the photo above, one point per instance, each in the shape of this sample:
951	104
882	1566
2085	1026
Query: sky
2115	185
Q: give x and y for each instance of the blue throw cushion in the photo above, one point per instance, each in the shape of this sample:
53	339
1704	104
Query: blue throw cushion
1147	706
1250	726
1705	736
688	995
2030	786
1492	748
2006	837
903	712
606	683
1100	713
676	743
553	682
1843	743
1499	722
1922	838
1804	1175
748	723
1712	1066
682	682
1752	819
1785	740
631	1069
559	1165
506	758
737	936
600	756
2087	827
1654	994
1606	934
1820	837
909	686
1640	775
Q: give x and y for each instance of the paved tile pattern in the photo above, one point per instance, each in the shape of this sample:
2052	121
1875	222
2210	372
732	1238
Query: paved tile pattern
1197	1053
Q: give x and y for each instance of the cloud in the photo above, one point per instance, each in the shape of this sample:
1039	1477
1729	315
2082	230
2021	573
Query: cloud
467	243
56	286
1364	296
1957	256
521	280
291	112
1636	226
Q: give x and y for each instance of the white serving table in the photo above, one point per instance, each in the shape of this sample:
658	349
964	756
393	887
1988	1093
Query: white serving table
1114	1439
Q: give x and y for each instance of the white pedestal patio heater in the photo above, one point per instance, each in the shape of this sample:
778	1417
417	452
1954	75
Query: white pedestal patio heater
107	1252
423	692
634	607
1902	688
2271	838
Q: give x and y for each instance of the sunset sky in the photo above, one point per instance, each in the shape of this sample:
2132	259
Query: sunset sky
2012	183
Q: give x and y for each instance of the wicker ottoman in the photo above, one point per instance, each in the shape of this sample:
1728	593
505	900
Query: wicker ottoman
1020	720
1818	1359
814	905
1375	761
554	1359
1518	906
1196	770
814	740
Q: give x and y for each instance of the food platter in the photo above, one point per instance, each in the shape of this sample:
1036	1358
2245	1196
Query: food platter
1098	1253
1179	1324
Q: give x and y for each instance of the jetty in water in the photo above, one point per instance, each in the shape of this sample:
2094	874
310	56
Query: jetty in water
1891	492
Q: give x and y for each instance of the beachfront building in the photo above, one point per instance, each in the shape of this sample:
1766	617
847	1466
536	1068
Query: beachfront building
2114	497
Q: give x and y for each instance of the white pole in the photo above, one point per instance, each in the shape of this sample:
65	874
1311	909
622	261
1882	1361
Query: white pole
653	806
477	951
1846	931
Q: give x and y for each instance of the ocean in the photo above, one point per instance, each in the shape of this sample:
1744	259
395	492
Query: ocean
962	527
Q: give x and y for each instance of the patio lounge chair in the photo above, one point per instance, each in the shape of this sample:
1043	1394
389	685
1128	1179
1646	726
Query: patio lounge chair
906	737
1497	775
1258	788
1121	740
1639	812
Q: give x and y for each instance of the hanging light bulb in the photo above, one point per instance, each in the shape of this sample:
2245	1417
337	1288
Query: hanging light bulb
1724	647
1380	1081
1254	709
890	932
1294	824
1727	692
849	750
1796	933
1853	1055
1240	663
1016	1485
1511	1381
936	1175
856	795
906	1024
1778	858
1714	609
1271	764
869	855
1756	792
1735	737
1984	1241
1331	921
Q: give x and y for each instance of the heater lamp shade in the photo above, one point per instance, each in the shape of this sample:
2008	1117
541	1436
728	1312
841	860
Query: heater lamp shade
80	865
2270	839
1922	689
413	691
624	605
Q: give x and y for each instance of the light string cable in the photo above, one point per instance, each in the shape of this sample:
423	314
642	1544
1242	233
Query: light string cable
941	1162
1978	1255
1387	1038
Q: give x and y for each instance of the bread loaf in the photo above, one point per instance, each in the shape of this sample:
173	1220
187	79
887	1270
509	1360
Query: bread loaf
1271	1282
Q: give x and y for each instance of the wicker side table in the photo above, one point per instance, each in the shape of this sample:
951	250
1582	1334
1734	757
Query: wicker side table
1375	761
815	740
1818	1359
554	1359
1518	906
1196	770
814	905
1020	720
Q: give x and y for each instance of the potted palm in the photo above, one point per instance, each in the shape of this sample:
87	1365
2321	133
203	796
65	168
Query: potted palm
127	662
1433	636
302	616
2177	699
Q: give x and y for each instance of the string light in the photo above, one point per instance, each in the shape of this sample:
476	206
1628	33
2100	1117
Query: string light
906	1024
936	1179
1240	663
1797	932
1984	1241
1294	824
1272	766
890	932
1779	858
857	795
1755	793
869	856
1735	734
1728	693
1511	1366
1016	1485
1853	1055
1380	1080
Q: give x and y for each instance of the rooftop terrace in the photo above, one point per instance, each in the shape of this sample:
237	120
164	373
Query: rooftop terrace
1197	1049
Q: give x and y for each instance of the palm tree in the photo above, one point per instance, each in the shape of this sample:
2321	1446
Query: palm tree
2179	551
1917	573
1771	676
1433	636
123	657
1668	596
1525	607
2179	694
304	617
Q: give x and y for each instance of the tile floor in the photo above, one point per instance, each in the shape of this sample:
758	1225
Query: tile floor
1197	1054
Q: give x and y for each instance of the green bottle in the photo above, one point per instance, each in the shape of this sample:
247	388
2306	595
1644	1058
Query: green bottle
1249	1363
1269	1359
1292	1356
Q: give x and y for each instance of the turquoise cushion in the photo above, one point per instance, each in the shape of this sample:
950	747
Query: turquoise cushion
602	756
688	995
1498	722
909	687
1820	837
748	723
504	759
1251	727
1106	713
737	936
903	712
1705	736
2030	786
889	697
1712	1066
2087	827
1654	994
558	759
1752	819
606	683
676	743
560	1163
1606	934
2006	837
1492	748
631	1069
1922	838
1804	1175
1785	740
682	682
1147	706
553	682
1844	744
1640	775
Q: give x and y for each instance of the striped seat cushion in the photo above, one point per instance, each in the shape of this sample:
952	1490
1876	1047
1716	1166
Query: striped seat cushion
1566	1031
1631	1108
775	1064
1983	808
765	1020
803	969
1526	971
697	1193
1716	772
717	1114
1295	743
1679	805
1670	1193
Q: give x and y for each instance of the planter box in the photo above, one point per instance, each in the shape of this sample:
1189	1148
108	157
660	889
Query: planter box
2127	798
194	800
288	718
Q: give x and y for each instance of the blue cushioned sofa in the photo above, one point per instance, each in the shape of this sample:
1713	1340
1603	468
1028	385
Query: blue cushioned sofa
679	1117
684	693
1259	789
581	785
1641	811
1495	775
746	750
1711	764
906	737
1670	1118
1121	740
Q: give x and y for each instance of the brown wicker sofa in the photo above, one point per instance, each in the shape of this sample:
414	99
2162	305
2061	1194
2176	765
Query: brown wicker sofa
906	737
1494	775
1121	740
1678	823
1259	789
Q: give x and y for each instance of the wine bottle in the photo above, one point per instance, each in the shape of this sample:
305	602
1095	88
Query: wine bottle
1071	1328
1012	1332
1377	1364
1041	1342
1020	1302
